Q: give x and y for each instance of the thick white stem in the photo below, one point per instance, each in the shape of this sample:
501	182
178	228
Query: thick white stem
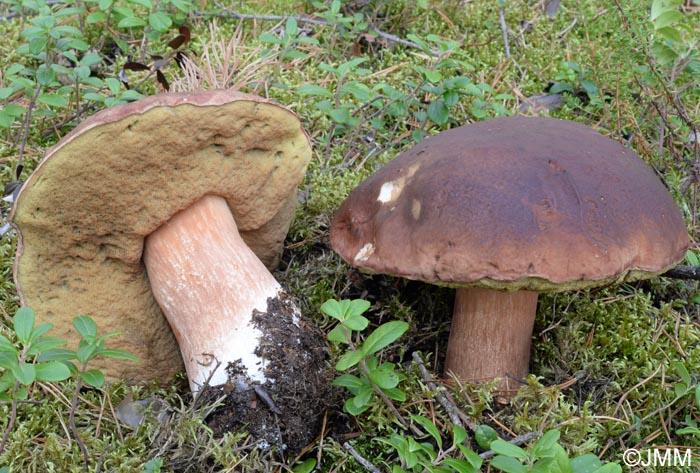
208	283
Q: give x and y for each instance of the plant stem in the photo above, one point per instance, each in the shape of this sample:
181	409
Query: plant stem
71	418
13	417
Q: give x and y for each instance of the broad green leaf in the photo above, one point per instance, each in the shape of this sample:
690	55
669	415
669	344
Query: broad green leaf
96	17
395	394
459	465
9	360
45	344
306	466
333	308
358	90
459	435
6	120
692	258
52	371
85	326
587	463
544	444
609	468
105	4
131	22
349	359
385	379
337	335
340	115
159	21
681	370
429	427
6	345
40	330
94	378
348	381
118	354
351	408
383	336
53	100
438	112
508	449
86	351
507	464
356	322
291	28
313	89
668	18
144	3
24	373
23	324
58	354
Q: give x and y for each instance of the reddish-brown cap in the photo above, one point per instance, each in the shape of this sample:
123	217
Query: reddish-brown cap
83	214
513	203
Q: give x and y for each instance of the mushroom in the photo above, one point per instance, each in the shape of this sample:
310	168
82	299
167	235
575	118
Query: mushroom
502	210
208	180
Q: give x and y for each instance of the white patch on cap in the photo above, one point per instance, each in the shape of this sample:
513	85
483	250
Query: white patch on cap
391	190
415	209
365	252
386	192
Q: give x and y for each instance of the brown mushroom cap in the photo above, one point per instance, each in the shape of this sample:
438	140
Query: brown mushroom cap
83	214
513	203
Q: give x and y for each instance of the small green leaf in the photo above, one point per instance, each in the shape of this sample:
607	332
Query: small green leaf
383	336
45	344
681	370
6	345
348	381
53	100
356	322
85	326
484	435
58	354
306	466
508	464
385	379
544	445
337	335
52	371
117	354
94	378
585	463
313	89
24	373
508	449
438	112
291	28
429	427
96	17
459	435
333	308
349	359
131	22
159	21
340	115
351	408
23	324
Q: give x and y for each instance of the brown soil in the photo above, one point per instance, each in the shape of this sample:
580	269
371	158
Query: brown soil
286	411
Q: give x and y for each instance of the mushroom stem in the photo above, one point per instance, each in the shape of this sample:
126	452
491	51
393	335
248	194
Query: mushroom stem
490	336
208	283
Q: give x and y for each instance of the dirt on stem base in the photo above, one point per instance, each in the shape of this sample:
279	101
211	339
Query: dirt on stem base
286	411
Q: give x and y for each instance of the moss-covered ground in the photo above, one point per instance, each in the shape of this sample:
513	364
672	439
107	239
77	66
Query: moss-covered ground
608	366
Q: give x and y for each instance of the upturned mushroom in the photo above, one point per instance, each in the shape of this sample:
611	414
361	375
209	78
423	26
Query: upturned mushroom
502	210
206	183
